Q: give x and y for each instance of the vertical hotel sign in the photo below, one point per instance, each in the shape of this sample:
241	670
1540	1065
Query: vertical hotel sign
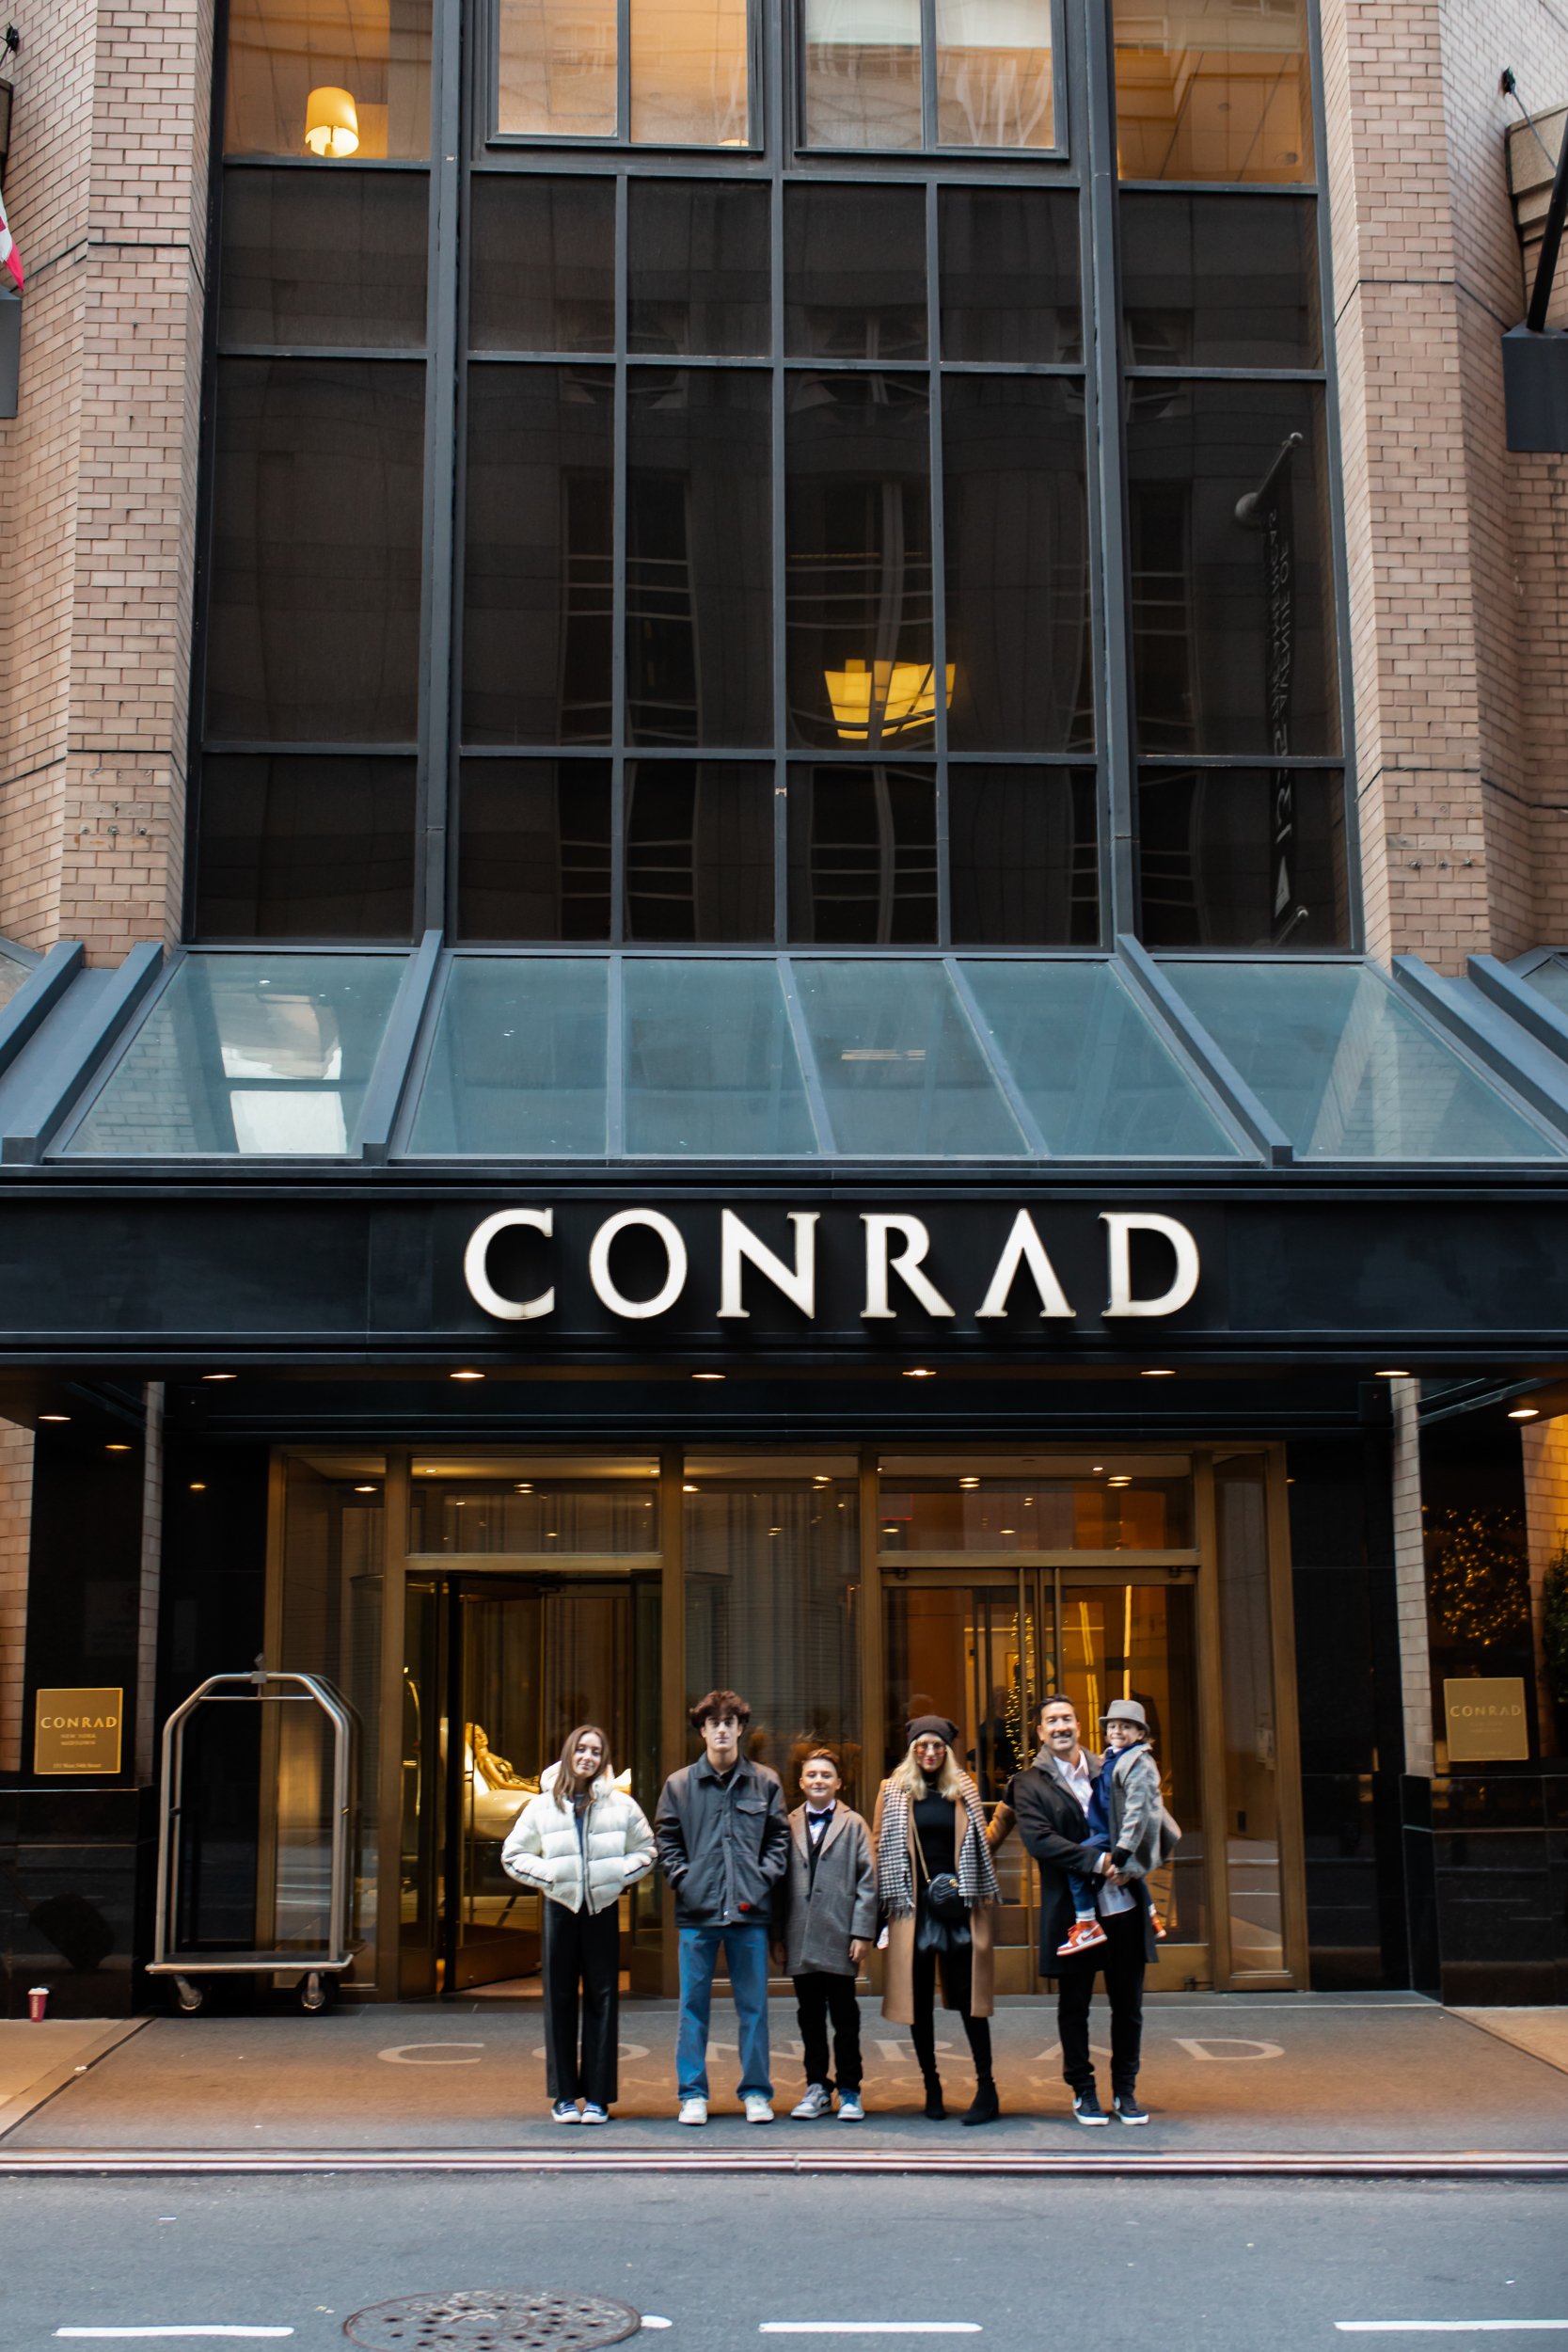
78	1731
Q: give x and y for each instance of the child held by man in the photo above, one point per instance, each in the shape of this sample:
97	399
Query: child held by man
1127	1820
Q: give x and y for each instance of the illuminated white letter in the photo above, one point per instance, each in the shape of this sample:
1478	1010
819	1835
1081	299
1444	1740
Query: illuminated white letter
739	1246
1119	1228
637	1310
476	1265
906	1264
1023	1246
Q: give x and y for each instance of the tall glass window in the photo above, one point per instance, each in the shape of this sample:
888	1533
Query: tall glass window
661	72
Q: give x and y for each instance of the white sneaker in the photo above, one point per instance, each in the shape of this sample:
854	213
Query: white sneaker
693	2111
849	2108
817	2102
758	2110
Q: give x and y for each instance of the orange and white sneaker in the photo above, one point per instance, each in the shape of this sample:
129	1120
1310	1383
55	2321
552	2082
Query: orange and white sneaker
1157	1924
1086	1934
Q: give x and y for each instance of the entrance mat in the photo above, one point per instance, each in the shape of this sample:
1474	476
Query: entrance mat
1223	2074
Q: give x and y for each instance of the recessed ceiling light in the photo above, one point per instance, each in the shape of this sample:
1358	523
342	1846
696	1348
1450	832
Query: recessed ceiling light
1395	1374
920	1372
708	1376
1119	1482
1523	1412
364	1491
220	1375
117	1449
1008	1531
54	1417
198	1487
969	1481
689	1489
775	1531
1159	1372
465	1375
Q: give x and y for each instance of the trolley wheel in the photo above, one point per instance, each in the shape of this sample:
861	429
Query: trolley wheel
314	1991
190	1997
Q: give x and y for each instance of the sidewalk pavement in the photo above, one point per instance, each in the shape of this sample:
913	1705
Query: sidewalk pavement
1243	2074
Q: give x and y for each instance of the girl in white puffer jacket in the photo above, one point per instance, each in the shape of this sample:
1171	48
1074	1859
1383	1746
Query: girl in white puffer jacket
580	1843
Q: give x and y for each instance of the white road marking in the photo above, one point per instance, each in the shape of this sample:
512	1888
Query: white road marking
649	2321
121	2333
870	2328
404	2054
1443	2327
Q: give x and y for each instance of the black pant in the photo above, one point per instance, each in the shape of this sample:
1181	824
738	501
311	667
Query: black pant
581	1949
1120	1960
817	1998
958	1976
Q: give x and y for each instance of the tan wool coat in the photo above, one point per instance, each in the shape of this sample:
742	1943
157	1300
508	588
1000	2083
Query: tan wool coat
898	1960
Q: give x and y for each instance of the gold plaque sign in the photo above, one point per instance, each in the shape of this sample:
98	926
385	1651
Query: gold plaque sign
78	1731
1485	1718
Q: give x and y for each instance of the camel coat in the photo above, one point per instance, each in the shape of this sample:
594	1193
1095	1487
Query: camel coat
898	1960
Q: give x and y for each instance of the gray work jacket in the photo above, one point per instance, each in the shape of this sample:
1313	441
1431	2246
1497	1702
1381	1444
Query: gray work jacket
722	1843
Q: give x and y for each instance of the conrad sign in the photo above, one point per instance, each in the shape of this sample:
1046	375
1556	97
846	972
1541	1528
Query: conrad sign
642	1263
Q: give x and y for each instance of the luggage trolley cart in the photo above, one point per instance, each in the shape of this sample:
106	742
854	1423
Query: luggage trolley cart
312	1969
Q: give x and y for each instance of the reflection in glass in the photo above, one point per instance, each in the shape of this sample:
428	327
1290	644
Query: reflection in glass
246	1054
698	849
690	72
313	621
861	77
375	57
519	1510
711	1066
900	1068
854	273
1100	1081
699	602
538	629
533	850
1016	506
556	68
541	263
1214	89
1347	1070
296	848
518	1068
1551	978
1009	275
1242	857
858	541
14	975
993	73
1220	282
1022	863
862	855
324	258
1118	1509
697	267
1232	604
772	1590
1251	1749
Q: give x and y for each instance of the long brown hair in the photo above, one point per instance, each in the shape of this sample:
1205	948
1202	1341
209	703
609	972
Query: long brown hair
568	1787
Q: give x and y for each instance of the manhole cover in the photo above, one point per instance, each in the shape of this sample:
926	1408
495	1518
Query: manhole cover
498	2319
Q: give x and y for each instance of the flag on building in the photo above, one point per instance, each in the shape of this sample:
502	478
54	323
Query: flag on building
10	260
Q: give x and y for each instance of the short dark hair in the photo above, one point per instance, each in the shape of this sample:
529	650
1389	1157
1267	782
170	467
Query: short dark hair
1055	1698
719	1702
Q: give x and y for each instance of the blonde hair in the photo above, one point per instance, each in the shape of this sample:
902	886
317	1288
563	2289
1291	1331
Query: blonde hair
906	1775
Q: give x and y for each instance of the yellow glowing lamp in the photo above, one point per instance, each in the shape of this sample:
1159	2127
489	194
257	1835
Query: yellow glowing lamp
882	700
331	121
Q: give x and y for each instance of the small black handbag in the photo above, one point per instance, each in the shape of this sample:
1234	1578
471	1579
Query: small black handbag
944	1925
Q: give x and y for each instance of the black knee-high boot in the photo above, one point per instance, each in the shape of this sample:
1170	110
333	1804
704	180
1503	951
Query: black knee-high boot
986	2106
923	2033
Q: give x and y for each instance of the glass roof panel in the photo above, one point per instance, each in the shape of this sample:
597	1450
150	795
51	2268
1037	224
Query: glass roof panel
1098	1076
518	1067
14	974
1348	1068
247	1053
900	1067
711	1065
1551	978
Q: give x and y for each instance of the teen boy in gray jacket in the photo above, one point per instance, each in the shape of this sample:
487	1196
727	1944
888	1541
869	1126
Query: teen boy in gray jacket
824	1920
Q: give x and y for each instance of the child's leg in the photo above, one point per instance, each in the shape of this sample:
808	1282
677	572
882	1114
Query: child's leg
1083	1905
811	2011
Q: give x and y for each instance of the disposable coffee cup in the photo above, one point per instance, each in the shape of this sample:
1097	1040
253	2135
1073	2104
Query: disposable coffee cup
38	2002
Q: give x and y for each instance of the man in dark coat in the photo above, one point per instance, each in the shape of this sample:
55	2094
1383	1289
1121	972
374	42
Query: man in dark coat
1049	1801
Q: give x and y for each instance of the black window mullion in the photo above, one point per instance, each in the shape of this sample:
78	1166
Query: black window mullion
1101	360
623	74
618	684
938	561
929	77
439	594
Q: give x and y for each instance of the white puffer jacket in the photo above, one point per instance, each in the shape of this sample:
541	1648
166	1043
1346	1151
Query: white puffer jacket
543	1850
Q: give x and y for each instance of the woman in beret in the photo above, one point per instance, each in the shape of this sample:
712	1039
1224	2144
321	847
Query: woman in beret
938	1890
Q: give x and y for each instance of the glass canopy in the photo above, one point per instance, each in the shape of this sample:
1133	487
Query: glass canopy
1550	977
749	1058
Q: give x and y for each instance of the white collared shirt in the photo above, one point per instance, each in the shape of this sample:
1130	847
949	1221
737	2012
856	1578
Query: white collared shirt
1109	1900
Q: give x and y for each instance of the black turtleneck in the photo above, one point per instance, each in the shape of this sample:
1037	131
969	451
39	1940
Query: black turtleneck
933	1826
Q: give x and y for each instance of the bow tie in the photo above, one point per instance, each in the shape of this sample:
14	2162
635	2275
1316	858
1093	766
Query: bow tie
820	1820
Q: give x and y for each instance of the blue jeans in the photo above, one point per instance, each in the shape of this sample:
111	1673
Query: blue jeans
746	1949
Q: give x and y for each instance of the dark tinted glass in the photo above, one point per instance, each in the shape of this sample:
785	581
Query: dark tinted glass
1009	275
304	848
1014	495
1220	282
1233	605
699	644
533	850
1242	857
699	850
325	258
541	265
859	563
855	273
537	626
314	612
698	268
862	856
1022	860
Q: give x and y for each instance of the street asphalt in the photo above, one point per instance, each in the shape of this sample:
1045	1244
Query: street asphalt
1144	2265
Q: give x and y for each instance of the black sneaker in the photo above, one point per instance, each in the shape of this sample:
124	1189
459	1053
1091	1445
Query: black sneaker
1086	2107
1129	2107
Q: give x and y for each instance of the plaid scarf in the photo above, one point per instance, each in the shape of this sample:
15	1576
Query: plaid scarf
896	1870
